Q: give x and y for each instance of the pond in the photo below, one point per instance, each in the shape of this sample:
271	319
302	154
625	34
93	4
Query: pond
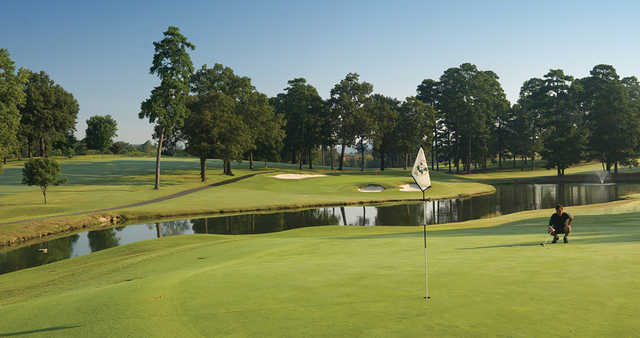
508	198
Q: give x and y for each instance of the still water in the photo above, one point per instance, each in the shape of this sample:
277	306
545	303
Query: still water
508	198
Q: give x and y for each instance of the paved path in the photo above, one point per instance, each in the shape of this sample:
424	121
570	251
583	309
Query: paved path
137	204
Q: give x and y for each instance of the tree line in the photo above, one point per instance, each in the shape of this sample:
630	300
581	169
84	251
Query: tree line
462	119
38	117
561	119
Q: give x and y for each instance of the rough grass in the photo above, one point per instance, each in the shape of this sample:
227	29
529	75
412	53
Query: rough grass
346	281
99	182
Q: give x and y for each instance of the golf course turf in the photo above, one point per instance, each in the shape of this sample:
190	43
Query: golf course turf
97	183
488	277
343	281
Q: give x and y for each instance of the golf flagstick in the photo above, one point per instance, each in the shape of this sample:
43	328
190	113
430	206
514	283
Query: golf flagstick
426	267
420	174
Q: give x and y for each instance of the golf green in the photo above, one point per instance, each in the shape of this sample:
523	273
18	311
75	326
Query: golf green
343	281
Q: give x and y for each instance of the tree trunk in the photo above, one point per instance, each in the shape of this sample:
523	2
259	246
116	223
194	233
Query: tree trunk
406	160
29	153
434	149
341	165
514	160
251	160
158	230
293	157
44	194
381	160
331	157
310	154
227	167
203	168
159	152
362	158
559	171
265	163
4	159
615	167
41	147
533	161
322	156
300	160
469	155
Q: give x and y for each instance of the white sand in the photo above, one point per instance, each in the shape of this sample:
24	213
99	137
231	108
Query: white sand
296	176
409	187
372	188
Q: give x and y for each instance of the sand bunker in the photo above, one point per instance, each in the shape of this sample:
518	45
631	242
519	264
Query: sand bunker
372	188
297	176
409	187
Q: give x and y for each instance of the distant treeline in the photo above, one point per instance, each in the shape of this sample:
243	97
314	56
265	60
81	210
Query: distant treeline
462	120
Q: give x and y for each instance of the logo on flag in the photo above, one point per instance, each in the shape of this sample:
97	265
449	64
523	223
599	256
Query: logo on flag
420	171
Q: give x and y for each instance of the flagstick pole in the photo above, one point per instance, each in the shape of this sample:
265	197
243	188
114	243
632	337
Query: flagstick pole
426	270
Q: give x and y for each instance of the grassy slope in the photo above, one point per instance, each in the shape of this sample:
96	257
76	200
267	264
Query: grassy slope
345	281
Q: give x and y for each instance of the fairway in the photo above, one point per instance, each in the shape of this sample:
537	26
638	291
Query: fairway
342	281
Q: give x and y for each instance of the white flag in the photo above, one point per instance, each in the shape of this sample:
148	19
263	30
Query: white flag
420	171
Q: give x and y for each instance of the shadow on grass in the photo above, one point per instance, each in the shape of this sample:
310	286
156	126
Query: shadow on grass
572	240
589	230
53	328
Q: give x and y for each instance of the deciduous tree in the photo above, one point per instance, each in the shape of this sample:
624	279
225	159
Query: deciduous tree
12	98
347	102
100	132
42	172
166	107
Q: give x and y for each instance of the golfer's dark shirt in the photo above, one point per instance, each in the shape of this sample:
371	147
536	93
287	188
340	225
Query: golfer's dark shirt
559	221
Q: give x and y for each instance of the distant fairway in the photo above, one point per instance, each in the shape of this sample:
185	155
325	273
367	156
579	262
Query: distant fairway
343	281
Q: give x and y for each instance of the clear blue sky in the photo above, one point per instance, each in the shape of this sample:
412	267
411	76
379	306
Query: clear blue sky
102	52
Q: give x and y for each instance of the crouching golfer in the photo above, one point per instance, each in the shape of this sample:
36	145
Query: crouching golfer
560	223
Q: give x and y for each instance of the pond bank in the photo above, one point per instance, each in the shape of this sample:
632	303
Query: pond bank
30	232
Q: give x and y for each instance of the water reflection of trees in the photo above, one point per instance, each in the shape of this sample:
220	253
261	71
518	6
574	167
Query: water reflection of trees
170	228
102	239
30	256
263	223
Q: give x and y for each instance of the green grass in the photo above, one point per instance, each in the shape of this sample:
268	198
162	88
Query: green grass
99	182
585	172
345	281
267	192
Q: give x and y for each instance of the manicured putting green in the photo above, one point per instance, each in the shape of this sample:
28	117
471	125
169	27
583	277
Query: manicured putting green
343	281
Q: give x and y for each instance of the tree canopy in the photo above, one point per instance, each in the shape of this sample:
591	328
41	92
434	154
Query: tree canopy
12	98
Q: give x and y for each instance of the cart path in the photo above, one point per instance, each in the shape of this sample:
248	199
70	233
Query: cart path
137	204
